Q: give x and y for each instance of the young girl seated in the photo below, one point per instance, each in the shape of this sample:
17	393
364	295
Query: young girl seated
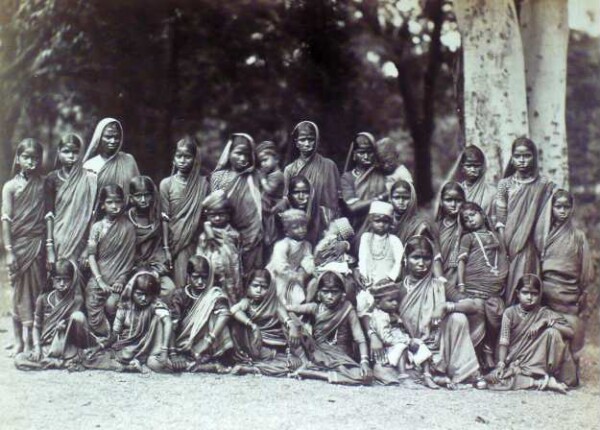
200	313
267	337
60	328
482	272
292	262
220	243
335	329
141	331
111	250
533	352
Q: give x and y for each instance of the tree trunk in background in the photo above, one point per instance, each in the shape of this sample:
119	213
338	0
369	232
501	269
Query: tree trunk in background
545	35
495	106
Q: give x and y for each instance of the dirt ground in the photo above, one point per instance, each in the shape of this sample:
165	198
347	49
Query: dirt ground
95	400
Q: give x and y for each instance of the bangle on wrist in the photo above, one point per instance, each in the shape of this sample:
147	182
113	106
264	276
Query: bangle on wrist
8	248
501	364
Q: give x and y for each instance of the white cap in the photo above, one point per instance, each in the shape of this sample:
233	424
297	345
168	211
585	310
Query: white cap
381	208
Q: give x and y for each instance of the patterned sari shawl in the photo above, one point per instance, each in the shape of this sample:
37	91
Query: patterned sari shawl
411	222
422	305
116	251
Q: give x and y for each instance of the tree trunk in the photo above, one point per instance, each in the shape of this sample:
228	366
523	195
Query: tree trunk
495	106
545	34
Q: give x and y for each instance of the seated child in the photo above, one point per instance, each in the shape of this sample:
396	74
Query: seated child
141	331
335	329
266	334
200	313
60	328
292	262
533	344
220	243
272	183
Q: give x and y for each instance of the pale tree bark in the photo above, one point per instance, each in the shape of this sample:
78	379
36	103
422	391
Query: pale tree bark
495	106
545	35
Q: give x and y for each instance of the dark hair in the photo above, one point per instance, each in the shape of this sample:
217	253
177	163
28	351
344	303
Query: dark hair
529	280
472	206
418	242
70	139
453	186
64	267
30	143
189	142
148	283
298	179
364	138
562	193
240	139
141	182
472	151
196	263
105	191
331	279
259	273
400	183
305	127
527	143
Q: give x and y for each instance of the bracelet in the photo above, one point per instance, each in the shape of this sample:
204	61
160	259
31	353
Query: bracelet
451	306
364	357
248	323
364	361
501	364
166	248
8	248
461	284
164	348
98	278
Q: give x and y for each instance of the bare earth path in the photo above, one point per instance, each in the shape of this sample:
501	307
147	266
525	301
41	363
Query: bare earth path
105	400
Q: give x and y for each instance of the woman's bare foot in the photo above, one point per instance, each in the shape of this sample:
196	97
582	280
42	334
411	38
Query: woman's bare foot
429	382
554	385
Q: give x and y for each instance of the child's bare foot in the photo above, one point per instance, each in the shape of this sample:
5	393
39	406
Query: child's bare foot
554	385
444	381
429	382
403	375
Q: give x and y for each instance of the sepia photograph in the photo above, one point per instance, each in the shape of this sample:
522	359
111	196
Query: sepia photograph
299	214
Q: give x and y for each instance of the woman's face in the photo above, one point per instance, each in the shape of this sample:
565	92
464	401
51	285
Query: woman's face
419	263
183	160
472	169
199	278
113	205
330	296
451	202
400	199
561	209
142	199
529	297
472	219
364	154
240	157
141	298
110	140
522	159
257	290
29	160
68	155
299	195
61	283
306	142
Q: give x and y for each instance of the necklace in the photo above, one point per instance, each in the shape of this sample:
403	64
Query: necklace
62	175
384	249
409	286
449	223
494	267
180	178
136	224
190	294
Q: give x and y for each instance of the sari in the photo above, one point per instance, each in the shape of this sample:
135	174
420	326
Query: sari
73	209
519	205
527	358
321	172
411	222
24	209
119	169
267	351
181	202
449	340
365	186
244	193
567	269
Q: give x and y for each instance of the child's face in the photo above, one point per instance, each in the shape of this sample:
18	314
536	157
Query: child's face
297	230
472	219
183	159
239	158
364	155
299	196
380	224
522	159
257	290
141	298
267	161
199	278
218	218
110	140
451	202
61	282
418	263
68	155
561	209
142	199
472	169
113	205
306	142
331	296
400	199
388	304
29	160
529	297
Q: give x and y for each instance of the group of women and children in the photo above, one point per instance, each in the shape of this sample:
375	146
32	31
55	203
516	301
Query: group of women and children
302	272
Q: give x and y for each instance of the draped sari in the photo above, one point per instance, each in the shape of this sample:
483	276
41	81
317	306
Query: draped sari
411	222
119	169
321	172
244	193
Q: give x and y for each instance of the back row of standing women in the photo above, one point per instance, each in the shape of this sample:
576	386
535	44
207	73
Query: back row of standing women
429	294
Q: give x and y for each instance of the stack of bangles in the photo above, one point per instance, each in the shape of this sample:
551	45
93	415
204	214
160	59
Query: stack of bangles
450	306
364	359
49	243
